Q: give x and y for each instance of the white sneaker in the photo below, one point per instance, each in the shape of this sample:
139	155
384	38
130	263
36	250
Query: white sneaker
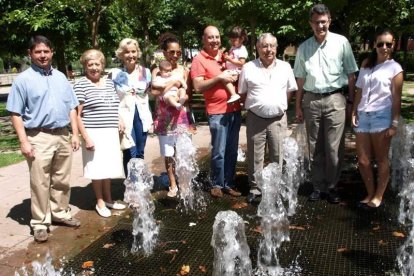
172	192
234	98
103	212
115	205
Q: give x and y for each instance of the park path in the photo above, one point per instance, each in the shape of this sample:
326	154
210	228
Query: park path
16	241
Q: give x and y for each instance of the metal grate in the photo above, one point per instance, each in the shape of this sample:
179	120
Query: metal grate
328	240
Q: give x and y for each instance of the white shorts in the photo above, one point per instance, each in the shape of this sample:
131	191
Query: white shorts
167	145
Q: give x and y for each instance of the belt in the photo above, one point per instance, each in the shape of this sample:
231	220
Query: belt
57	130
272	118
326	94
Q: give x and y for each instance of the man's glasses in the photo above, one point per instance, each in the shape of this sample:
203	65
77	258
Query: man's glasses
173	52
320	22
381	44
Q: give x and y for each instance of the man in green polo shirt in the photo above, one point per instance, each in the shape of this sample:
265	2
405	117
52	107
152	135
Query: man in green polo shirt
324	65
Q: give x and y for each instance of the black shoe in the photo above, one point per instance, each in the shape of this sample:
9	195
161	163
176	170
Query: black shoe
333	198
315	195
251	197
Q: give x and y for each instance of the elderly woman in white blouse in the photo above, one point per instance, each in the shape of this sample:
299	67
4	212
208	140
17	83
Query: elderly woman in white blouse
132	83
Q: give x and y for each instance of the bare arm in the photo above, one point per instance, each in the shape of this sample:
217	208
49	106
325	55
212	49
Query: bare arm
238	62
201	84
299	96
159	90
88	141
356	101
26	148
351	87
75	130
396	90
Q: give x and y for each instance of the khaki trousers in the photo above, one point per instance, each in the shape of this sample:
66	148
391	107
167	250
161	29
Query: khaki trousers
259	132
50	171
325	124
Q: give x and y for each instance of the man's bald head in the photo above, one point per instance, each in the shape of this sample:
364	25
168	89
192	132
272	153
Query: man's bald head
211	40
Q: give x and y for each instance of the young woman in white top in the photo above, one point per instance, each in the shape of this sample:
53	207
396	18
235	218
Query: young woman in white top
375	115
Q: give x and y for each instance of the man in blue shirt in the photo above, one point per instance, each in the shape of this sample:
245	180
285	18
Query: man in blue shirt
42	104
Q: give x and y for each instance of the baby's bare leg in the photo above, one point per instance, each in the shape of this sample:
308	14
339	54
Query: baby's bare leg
233	95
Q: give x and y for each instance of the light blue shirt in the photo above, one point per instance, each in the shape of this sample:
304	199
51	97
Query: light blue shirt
43	99
326	66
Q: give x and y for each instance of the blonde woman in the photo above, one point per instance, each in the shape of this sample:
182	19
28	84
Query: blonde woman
98	122
132	82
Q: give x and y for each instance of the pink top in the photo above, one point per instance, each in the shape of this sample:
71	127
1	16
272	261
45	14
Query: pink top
169	120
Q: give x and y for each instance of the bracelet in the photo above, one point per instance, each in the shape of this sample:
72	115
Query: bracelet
395	123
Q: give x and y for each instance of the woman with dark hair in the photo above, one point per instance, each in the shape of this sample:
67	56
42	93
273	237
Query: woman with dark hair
169	121
376	113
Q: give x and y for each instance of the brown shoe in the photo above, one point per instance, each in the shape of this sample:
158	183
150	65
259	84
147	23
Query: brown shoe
216	192
72	222
232	192
40	235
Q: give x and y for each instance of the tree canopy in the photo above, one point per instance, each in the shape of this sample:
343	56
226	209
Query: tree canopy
75	26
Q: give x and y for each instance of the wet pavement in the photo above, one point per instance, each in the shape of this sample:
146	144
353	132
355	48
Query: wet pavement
17	247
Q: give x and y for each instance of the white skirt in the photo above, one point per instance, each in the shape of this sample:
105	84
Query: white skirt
106	160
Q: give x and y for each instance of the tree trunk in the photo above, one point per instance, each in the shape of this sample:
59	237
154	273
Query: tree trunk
253	37
60	54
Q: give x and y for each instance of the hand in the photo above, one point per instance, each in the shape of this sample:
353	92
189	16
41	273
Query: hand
75	142
228	76
27	149
354	120
391	132
89	144
299	115
121	126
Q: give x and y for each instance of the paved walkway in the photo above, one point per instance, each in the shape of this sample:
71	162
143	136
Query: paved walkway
16	241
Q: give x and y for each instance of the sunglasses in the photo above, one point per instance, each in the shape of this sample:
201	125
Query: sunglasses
381	44
173	52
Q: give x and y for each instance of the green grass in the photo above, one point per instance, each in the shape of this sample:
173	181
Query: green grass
407	102
3	111
9	143
10	158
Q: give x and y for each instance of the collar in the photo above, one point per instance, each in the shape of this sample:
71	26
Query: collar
43	72
273	65
204	53
325	40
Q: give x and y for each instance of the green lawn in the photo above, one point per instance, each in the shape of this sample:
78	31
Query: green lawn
10	158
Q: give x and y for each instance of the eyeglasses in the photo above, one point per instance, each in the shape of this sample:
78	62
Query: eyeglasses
381	44
173	52
320	22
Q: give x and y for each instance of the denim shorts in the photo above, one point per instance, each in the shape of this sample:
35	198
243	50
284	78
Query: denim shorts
374	121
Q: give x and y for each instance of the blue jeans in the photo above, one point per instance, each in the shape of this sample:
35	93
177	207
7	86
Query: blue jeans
140	139
224	129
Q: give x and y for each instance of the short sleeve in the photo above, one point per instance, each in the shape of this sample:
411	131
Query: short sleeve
291	85
242	85
349	62
299	67
15	100
79	92
243	52
197	69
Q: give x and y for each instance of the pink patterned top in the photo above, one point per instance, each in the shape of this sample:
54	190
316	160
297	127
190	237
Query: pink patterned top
169	120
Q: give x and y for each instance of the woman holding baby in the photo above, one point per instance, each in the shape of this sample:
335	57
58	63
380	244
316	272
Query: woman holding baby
170	121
